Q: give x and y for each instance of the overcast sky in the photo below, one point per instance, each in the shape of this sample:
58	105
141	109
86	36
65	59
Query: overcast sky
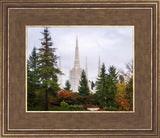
114	46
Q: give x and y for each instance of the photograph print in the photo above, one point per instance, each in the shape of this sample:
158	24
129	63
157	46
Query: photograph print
80	68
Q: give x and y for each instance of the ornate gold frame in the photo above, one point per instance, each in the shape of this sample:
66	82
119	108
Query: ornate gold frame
9	124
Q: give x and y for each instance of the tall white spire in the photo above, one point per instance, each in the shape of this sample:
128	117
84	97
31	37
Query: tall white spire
76	71
76	60
60	76
86	69
99	66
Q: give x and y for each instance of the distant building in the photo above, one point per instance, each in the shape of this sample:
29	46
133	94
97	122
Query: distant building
99	67
75	72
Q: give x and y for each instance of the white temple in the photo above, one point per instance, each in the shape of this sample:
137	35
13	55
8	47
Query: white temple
99	66
75	72
89	82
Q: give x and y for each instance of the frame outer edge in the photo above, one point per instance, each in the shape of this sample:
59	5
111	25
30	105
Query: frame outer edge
74	1
1	54
1	69
158	68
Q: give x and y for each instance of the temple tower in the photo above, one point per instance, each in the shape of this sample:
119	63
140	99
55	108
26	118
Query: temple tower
99	66
76	60
75	72
86	71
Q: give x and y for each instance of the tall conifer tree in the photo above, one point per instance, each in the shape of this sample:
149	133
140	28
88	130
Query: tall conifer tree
47	65
32	77
92	85
111	82
83	88
67	86
31	69
101	87
32	61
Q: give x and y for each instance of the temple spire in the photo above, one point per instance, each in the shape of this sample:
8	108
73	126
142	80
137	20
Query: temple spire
76	60
99	66
86	69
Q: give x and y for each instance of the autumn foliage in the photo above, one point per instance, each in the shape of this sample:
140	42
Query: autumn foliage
122	102
63	94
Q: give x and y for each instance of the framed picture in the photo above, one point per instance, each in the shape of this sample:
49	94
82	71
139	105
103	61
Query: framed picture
88	77
80	68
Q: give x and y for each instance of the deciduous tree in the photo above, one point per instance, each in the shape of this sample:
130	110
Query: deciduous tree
129	92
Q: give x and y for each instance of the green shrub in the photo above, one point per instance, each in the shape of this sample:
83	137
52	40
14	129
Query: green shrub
65	107
58	109
111	109
75	108
63	104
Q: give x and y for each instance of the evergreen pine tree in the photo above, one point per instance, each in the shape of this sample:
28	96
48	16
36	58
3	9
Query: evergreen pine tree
101	87
121	79
47	66
83	88
111	82
32	61
92	85
67	86
30	88
32	77
31	70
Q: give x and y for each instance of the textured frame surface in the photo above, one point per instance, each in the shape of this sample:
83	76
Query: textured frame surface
23	13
